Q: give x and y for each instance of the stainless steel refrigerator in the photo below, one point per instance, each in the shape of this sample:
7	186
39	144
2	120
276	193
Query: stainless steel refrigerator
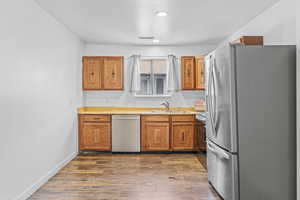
251	127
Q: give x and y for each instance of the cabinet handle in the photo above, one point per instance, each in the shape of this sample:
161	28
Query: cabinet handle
182	136
113	73
92	73
189	73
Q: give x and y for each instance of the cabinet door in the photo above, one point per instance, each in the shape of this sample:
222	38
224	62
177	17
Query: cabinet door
157	136
188	73
92	73
183	136
95	136
202	131
113	73
199	73
197	135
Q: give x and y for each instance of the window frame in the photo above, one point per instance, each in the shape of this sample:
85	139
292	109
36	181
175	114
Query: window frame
152	81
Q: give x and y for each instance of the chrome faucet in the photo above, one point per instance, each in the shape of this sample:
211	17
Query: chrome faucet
166	104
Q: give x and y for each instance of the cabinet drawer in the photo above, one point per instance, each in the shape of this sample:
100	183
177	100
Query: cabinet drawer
183	118
156	118
96	118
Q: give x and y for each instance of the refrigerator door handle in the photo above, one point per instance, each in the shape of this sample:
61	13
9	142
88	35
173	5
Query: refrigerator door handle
209	101
210	148
224	155
220	153
215	96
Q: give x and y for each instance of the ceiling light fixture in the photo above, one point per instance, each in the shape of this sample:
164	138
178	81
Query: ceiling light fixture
155	41
146	37
161	13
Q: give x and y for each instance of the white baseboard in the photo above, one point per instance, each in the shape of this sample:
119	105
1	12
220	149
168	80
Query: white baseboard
34	187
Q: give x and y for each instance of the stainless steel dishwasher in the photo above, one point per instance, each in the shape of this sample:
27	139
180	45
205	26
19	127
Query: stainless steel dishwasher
125	133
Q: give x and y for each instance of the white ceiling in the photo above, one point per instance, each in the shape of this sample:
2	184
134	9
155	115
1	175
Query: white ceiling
122	21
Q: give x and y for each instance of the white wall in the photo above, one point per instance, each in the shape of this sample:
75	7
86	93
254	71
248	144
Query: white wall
277	25
40	90
298	96
125	98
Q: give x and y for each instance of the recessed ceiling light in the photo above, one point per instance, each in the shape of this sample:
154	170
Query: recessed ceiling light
146	37
161	13
155	41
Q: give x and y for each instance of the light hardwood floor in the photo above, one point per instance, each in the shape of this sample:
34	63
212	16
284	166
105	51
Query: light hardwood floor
130	177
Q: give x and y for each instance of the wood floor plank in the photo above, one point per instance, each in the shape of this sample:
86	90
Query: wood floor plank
129	177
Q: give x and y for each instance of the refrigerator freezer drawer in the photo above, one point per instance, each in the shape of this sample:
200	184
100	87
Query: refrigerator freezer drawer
222	171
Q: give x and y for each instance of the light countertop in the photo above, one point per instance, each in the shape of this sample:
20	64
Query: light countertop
139	111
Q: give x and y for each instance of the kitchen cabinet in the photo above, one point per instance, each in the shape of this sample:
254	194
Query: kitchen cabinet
158	132
157	136
249	40
188	73
202	144
192	73
183	136
113	73
197	136
155	133
199	73
167	133
183	133
92	73
95	132
103	73
200	136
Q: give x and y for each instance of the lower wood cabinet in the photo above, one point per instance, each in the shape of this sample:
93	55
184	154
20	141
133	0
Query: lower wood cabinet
183	136
157	136
95	132
158	133
167	133
202	144
200	136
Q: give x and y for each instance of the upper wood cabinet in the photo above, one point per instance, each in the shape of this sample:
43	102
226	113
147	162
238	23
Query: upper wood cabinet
249	40
199	73
192	73
102	73
113	73
92	73
188	73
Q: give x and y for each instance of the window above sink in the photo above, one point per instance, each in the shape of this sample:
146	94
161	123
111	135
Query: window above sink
153	77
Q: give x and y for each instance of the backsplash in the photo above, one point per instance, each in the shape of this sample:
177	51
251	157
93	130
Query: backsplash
125	98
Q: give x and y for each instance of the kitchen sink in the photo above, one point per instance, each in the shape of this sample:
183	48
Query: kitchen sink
169	111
